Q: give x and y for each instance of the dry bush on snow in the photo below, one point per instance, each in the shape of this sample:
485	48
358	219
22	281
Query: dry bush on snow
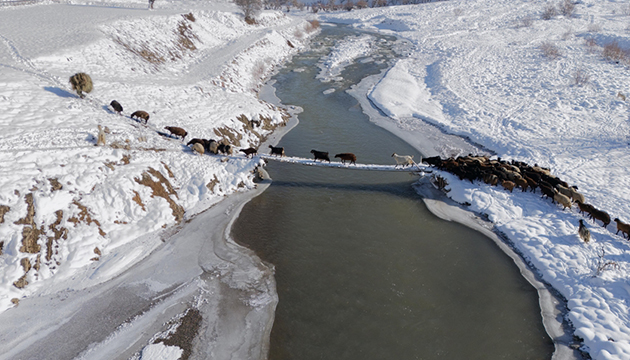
81	83
614	53
258	71
550	50
567	8
580	77
549	12
250	8
602	265
526	22
591	45
362	4
312	26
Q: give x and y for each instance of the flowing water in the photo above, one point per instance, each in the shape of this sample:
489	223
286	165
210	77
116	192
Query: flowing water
363	269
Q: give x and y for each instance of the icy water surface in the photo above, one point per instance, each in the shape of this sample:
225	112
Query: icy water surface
364	270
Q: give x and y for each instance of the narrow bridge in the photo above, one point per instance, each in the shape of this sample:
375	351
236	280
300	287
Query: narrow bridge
336	164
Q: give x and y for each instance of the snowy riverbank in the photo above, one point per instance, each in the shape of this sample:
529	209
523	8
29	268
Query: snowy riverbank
477	69
94	236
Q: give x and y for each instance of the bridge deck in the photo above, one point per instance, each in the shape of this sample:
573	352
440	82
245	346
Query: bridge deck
339	165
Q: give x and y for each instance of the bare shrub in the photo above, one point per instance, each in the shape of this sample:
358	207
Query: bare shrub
621	96
190	17
362	4
81	82
259	69
567	8
626	10
250	8
550	50
580	77
602	265
312	25
458	12
298	34
614	53
549	12
527	21
591	45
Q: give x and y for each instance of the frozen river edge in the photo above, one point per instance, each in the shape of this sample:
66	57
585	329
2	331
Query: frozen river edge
552	304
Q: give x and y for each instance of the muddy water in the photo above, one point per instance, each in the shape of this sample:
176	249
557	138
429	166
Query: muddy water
363	269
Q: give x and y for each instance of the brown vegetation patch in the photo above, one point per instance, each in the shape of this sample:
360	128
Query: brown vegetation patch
138	200
30	233
212	184
85	217
3	210
185	334
15	301
550	50
142	51
119	145
185	39
55	184
613	52
184	43
162	188
312	25
125	159
1	247
168	170
97	251
58	233
38	262
22	282
249	125
234	137
190	17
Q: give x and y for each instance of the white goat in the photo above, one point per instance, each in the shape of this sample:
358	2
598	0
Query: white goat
563	200
404	160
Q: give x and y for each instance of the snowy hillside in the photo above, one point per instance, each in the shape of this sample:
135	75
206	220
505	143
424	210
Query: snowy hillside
67	205
544	91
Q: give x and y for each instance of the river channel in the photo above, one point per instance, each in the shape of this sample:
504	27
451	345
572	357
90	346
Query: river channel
363	269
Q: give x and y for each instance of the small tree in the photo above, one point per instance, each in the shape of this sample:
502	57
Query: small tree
250	8
81	83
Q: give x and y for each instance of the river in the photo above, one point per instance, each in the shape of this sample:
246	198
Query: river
363	269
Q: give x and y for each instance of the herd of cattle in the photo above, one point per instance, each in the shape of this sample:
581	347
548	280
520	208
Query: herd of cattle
517	174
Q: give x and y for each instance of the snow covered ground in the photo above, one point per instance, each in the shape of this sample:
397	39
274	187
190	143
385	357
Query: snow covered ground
483	70
74	215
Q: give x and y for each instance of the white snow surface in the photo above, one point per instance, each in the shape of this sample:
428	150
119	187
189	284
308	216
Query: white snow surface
191	64
160	351
476	69
344	53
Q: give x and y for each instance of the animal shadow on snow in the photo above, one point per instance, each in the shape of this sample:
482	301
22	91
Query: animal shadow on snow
60	92
90	138
109	109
